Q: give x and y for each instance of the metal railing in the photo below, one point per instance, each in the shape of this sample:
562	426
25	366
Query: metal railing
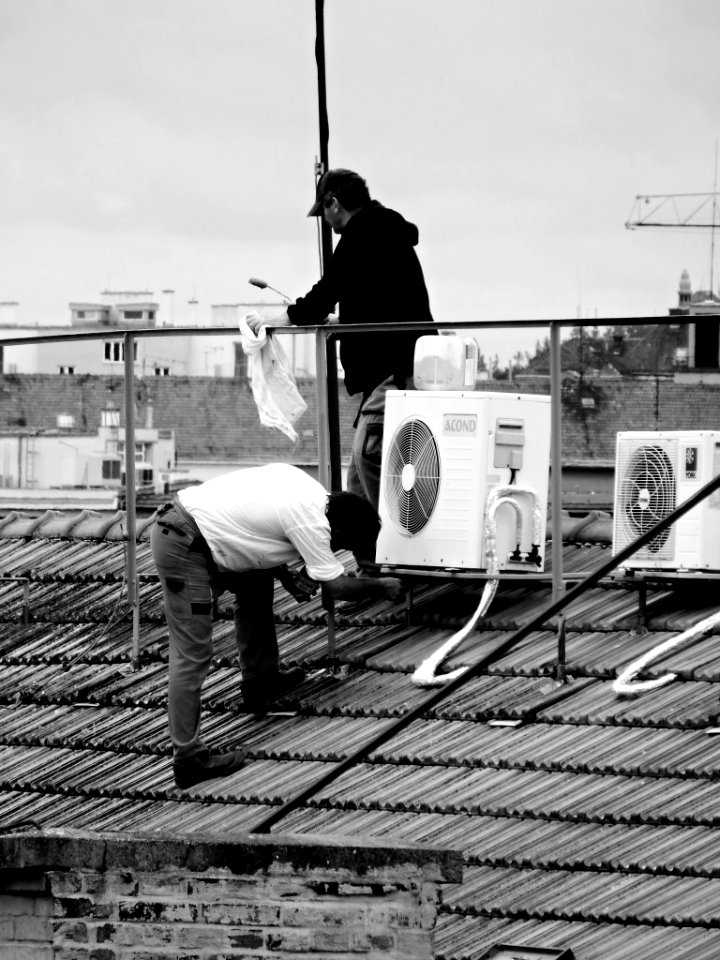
328	429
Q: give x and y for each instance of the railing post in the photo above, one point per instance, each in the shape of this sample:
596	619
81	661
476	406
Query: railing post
556	460
328	412
130	508
323	421
333	413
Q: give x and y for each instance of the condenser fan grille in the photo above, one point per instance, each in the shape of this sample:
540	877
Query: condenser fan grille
412	476
646	494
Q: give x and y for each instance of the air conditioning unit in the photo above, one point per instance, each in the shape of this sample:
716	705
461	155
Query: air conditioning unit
655	473
444	453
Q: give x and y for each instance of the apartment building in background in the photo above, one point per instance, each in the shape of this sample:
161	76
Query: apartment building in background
191	356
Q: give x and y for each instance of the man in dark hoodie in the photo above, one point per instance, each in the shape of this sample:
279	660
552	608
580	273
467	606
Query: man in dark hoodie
373	276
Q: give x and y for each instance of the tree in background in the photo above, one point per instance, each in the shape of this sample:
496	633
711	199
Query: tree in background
626	349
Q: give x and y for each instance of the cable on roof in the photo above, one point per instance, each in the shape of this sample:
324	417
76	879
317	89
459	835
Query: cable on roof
626	682
425	675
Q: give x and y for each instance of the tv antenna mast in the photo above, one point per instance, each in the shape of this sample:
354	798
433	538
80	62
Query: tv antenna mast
697	211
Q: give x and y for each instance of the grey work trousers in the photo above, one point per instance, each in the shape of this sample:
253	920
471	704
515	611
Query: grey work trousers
188	581
363	475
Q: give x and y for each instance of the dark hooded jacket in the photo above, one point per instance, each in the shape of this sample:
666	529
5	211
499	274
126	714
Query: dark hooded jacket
374	276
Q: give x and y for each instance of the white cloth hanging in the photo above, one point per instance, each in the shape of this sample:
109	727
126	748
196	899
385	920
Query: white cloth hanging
273	385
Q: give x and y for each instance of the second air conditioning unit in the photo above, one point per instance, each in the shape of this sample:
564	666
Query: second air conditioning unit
654	473
444	453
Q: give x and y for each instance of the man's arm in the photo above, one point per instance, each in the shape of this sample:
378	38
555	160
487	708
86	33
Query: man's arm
317	304
361	588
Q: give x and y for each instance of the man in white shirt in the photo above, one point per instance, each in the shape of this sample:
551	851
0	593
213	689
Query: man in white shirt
234	531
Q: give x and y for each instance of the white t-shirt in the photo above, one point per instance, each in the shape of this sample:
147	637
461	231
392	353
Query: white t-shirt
261	517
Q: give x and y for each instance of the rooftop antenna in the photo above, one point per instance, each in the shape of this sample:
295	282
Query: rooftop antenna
714	223
687	210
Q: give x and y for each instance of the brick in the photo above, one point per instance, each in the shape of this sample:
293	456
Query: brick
170	911
111	886
139	934
75	931
174	955
290	941
325	941
86	953
33	928
246	939
18	951
157	886
202	937
43	907
365	942
105	931
26	883
16	905
252	914
323	914
359	890
65	883
221	888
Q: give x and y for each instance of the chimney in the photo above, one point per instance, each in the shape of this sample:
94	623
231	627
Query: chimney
9	313
167	317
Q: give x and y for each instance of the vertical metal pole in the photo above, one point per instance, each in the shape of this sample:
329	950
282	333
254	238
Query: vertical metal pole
333	413
323	436
26	601
561	669
556	460
329	606
324	466
330	381
132	584
322	89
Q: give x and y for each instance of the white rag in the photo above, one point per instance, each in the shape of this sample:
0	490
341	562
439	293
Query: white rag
278	401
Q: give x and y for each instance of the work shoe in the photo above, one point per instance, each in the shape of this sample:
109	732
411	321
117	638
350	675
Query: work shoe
259	695
204	766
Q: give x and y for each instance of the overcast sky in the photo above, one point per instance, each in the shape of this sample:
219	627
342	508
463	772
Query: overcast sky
153	144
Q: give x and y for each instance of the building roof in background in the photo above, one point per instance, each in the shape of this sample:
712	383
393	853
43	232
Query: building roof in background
588	820
217	419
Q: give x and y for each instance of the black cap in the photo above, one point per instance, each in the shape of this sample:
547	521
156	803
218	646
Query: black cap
331	182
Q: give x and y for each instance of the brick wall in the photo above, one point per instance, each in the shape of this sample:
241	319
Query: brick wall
75	896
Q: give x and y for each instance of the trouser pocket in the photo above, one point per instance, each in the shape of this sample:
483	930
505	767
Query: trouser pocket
372	443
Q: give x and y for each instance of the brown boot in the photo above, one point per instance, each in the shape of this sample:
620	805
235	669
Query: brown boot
204	766
259	695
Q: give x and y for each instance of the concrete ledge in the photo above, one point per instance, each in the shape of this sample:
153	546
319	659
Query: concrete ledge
249	853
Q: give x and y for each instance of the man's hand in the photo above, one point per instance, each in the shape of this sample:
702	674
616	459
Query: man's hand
256	321
392	587
360	588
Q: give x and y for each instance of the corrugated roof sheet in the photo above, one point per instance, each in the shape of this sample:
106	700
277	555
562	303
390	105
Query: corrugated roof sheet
590	824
